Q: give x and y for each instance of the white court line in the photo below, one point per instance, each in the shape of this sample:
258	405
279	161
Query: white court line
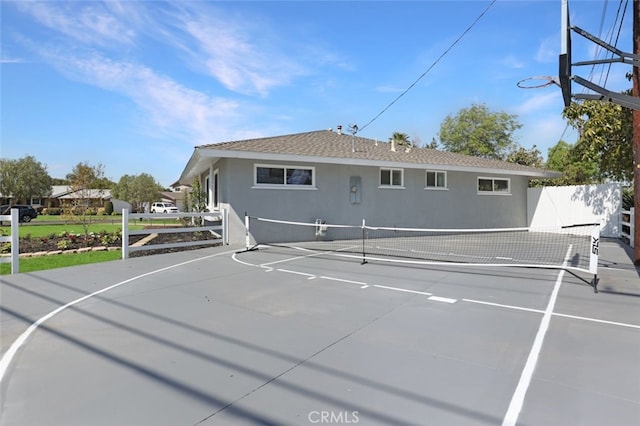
555	314
22	339
517	400
442	299
290	259
304	274
499	305
621	324
361	284
403	290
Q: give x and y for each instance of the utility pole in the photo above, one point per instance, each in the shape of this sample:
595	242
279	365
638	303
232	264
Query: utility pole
636	134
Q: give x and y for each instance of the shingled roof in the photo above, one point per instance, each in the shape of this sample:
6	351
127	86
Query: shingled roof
327	146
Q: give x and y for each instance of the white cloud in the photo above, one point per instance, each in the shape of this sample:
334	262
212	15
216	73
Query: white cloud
548	50
513	62
246	58
549	98
171	107
87	22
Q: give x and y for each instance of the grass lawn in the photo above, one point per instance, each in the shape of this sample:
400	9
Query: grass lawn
32	264
46	229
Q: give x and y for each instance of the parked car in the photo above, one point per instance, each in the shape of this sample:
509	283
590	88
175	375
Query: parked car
162	207
25	214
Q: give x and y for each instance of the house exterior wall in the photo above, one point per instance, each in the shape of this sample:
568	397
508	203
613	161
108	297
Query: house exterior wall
458	206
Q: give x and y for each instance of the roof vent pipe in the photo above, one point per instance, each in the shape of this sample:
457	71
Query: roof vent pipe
339	127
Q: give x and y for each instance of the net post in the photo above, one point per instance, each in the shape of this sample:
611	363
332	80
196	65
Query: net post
593	256
364	253
247	239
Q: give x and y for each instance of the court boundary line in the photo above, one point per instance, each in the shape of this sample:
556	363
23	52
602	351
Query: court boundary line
8	356
555	314
518	397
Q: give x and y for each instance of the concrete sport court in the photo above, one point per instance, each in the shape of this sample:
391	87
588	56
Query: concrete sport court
291	337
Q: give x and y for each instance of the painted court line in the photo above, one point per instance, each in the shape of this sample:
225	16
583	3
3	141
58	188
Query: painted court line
517	400
403	290
499	305
304	274
555	314
442	299
621	324
22	339
361	284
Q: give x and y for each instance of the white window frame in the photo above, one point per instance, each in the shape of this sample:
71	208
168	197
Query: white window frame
435	187
283	185
493	180
390	184
215	190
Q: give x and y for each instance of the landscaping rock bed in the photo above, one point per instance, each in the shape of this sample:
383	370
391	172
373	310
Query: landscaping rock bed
70	243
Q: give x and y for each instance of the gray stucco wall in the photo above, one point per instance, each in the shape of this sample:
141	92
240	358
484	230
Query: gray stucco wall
460	206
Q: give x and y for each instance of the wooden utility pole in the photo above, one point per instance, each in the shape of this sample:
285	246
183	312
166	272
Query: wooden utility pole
636	134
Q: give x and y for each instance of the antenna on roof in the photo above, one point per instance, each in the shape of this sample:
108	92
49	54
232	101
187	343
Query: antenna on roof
353	128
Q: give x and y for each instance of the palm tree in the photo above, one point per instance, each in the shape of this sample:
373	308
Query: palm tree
401	139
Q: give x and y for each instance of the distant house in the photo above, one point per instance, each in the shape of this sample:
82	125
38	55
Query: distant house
342	179
62	195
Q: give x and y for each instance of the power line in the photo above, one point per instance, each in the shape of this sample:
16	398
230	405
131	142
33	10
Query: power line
432	65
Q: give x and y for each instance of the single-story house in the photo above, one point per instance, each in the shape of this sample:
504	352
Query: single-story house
341	179
61	195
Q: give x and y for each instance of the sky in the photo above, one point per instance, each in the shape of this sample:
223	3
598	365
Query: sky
136	85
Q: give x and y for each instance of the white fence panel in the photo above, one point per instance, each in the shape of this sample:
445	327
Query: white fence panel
627	226
569	205
219	230
14	239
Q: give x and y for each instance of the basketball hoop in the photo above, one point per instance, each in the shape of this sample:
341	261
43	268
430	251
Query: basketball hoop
548	81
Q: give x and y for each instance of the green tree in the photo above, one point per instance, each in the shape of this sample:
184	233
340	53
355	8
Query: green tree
526	157
83	180
198	201
606	138
479	132
24	178
137	190
562	157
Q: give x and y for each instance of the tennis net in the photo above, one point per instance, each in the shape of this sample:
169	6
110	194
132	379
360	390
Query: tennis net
573	247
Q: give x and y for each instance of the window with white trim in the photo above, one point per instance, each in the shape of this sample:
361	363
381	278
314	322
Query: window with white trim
285	176
393	178
435	180
490	185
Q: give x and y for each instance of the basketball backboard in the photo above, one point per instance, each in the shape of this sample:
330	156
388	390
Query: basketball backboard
567	68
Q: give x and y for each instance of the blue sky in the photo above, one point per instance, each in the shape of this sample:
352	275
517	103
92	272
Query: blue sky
136	85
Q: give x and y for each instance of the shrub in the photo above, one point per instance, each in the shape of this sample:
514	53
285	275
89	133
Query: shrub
64	244
108	207
53	211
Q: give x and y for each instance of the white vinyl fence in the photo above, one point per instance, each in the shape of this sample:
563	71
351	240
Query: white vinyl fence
220	231
576	204
14	218
627	228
